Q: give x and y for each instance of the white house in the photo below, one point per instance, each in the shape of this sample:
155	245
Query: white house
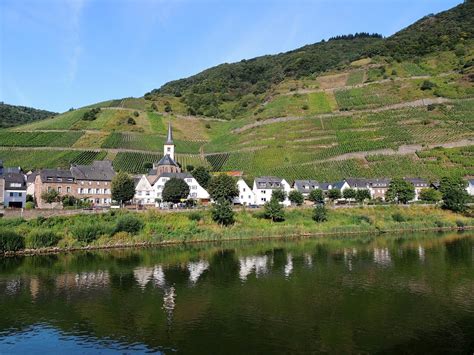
264	186
196	191
419	185
14	190
470	187
144	192
246	195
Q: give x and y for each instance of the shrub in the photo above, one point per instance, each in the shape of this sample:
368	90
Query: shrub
320	214
296	197
398	217
427	85
305	107
439	224
222	212
131	121
128	223
316	196
29	205
365	219
136	114
279	195
42	239
460	224
11	241
274	211
195	216
208	126
87	233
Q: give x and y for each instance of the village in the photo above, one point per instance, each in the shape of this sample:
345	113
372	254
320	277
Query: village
91	184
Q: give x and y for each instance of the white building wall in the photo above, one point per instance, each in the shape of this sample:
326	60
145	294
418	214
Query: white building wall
246	195
144	192
470	188
196	191
262	196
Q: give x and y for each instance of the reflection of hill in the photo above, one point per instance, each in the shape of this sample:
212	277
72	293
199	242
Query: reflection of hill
372	294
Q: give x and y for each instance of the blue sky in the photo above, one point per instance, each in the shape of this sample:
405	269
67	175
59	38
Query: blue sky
57	54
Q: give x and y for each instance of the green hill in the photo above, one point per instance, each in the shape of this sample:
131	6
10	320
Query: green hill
11	115
352	106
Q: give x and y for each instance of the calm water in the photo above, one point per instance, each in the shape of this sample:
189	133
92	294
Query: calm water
364	295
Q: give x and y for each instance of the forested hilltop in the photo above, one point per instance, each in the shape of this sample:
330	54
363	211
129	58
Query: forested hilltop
11	115
229	90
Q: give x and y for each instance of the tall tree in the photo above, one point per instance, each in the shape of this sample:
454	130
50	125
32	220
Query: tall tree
175	190
455	196
274	210
223	186
222	212
279	195
296	197
400	191
202	176
123	187
362	195
316	196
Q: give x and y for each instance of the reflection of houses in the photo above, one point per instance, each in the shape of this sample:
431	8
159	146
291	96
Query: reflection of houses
196	269
143	275
259	264
382	256
289	265
83	280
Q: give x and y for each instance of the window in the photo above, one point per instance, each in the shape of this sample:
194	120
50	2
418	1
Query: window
20	194
106	183
11	194
241	197
82	182
194	187
264	191
15	184
49	188
147	193
243	189
59	189
49	178
189	180
60	179
68	189
168	149
263	199
90	182
194	194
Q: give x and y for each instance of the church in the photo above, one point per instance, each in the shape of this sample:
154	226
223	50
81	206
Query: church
149	188
167	163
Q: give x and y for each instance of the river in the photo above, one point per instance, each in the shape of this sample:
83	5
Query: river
390	294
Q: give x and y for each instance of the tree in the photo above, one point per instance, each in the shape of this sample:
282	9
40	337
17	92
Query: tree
50	196
349	194
296	197
362	195
69	201
175	190
131	121
316	196
168	107
430	195
455	196
223	186
427	85
189	168
274	210
154	107
147	165
222	212
400	191
320	214
334	194
123	187
279	195
202	176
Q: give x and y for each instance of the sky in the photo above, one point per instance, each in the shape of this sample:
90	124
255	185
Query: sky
58	54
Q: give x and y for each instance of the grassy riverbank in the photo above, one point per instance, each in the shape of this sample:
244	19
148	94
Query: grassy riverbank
129	228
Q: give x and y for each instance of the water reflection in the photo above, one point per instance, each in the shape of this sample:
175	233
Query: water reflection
334	295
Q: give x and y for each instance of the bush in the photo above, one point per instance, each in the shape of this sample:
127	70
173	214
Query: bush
279	195
136	114
29	205
195	216
42	239
398	217
296	197
460	224
87	233
131	121
274	211
11	241
128	223
439	224
222	212
427	85
320	214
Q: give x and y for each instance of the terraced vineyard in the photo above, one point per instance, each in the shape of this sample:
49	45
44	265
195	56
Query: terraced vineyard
38	139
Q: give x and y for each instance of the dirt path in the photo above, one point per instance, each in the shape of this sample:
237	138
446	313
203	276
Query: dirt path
413	104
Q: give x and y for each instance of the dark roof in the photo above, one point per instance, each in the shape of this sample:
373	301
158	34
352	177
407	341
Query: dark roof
357	183
55	175
14	178
31	177
100	170
166	160
269	182
306	185
15	169
169	137
176	175
379	182
339	184
417	181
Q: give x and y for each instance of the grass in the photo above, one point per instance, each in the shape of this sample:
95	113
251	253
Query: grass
355	77
179	227
38	139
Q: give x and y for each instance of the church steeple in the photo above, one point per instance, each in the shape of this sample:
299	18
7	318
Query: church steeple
168	148
169	139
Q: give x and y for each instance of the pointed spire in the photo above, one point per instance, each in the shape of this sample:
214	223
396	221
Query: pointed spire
169	139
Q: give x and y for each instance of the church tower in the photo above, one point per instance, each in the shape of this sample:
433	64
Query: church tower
168	148
167	163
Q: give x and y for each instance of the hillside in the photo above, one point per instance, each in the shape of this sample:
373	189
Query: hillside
353	106
11	115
